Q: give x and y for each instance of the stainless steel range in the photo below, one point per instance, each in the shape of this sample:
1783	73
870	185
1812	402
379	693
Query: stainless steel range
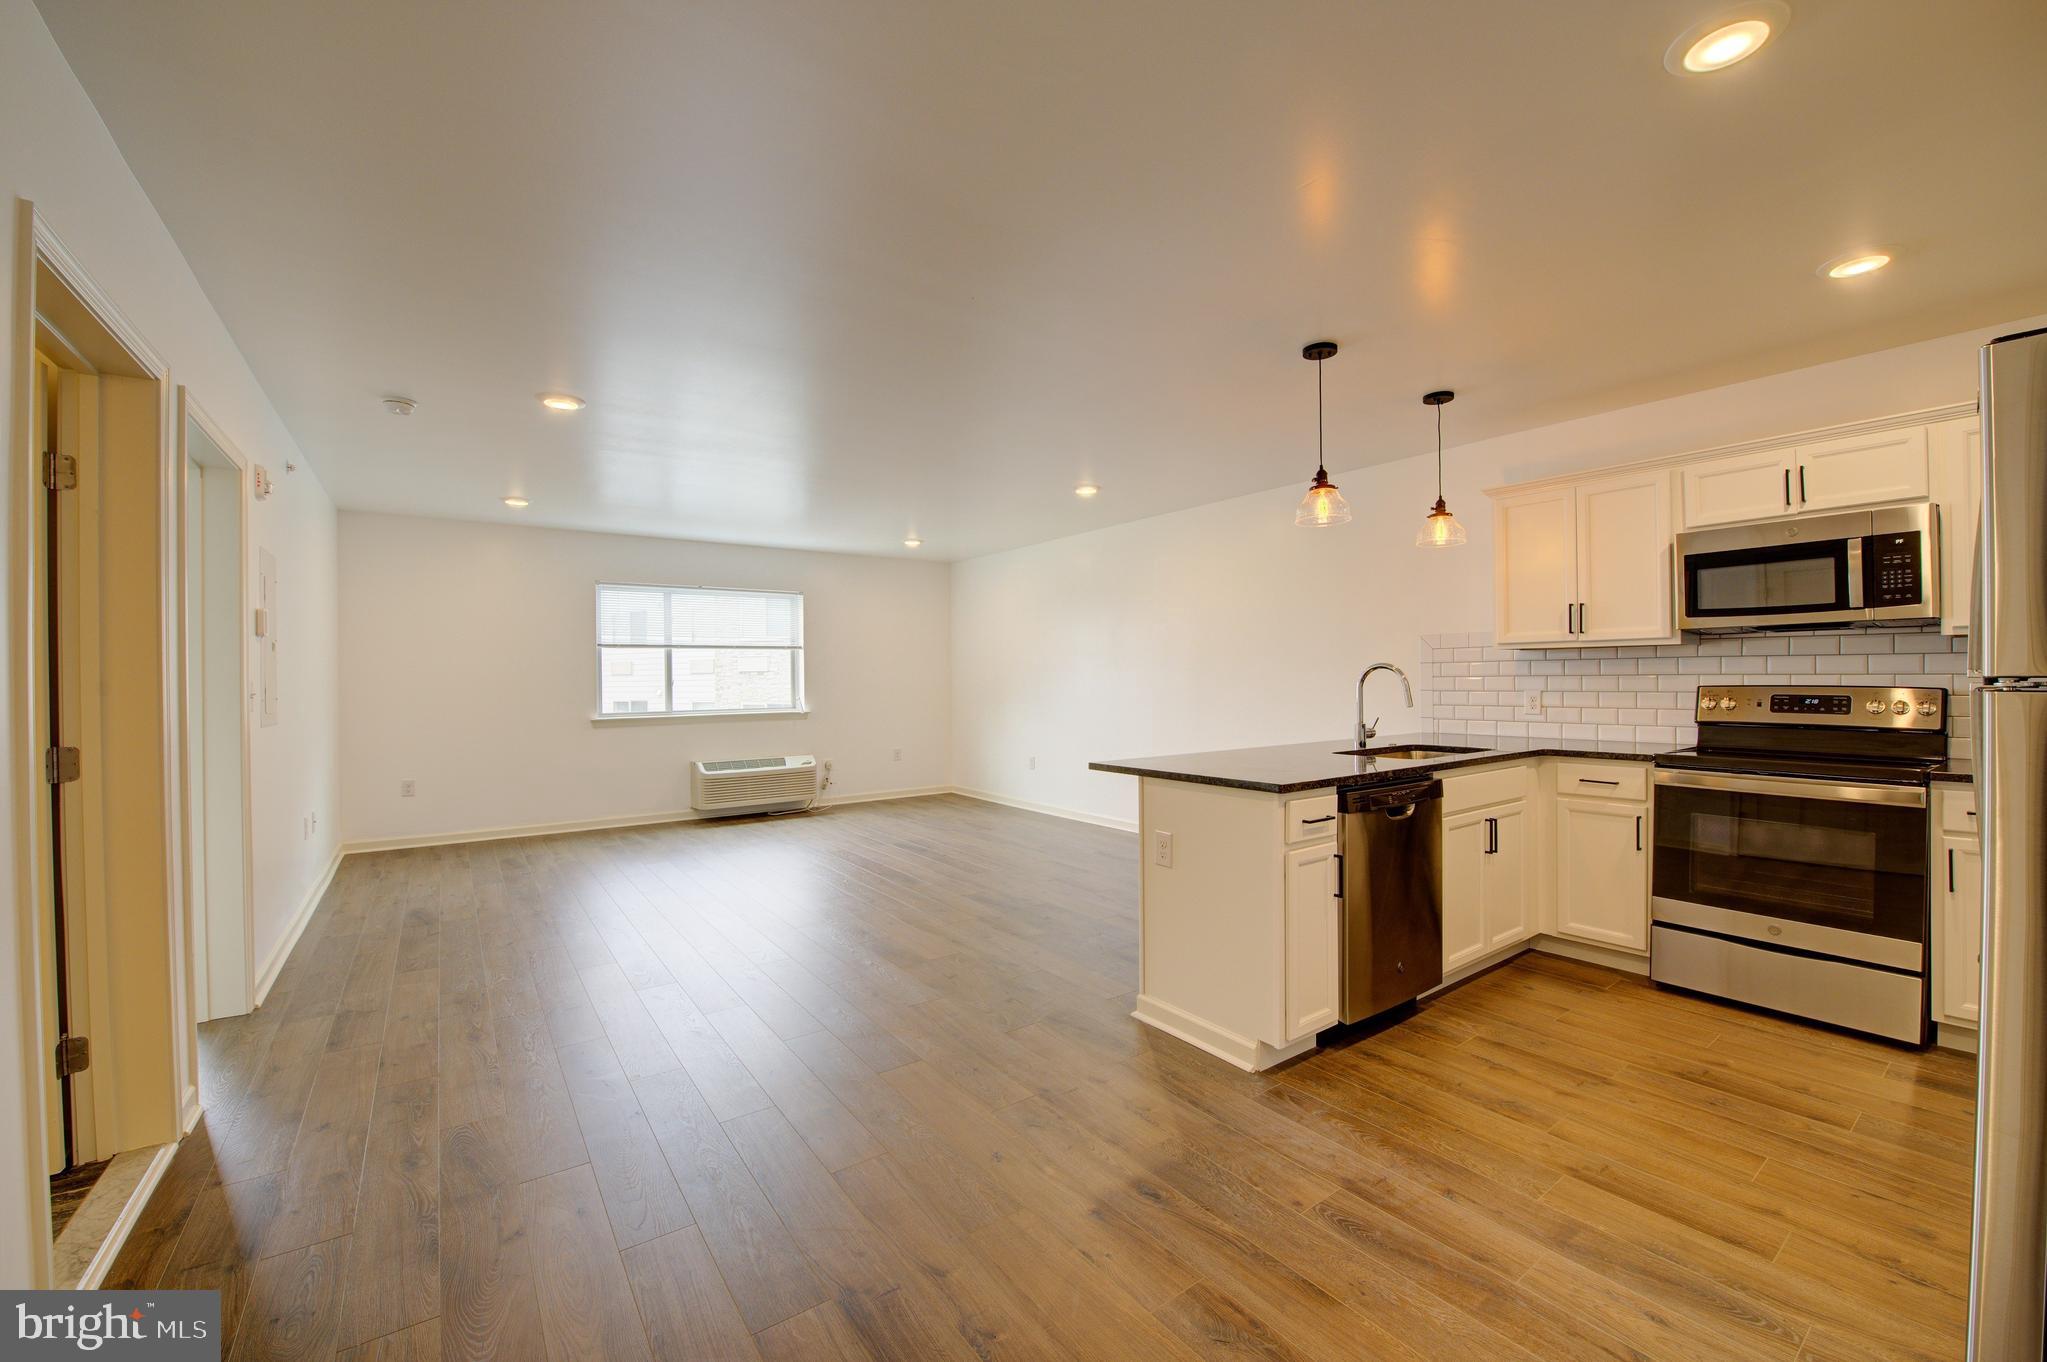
1790	867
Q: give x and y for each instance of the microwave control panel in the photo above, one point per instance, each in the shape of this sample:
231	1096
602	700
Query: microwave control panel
1892	563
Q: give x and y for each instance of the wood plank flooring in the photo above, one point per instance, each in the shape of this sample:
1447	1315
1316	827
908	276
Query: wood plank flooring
863	1084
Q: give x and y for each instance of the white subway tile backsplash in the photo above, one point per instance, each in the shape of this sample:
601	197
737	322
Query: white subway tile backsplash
1647	694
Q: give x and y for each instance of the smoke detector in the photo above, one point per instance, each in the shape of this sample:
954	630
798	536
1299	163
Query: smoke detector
399	406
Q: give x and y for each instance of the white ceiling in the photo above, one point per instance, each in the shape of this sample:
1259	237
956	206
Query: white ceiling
828	272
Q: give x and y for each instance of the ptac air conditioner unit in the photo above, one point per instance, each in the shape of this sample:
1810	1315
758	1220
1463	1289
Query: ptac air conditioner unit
752	785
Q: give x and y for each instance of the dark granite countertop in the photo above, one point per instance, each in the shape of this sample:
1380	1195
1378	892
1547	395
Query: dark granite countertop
1958	770
1323	765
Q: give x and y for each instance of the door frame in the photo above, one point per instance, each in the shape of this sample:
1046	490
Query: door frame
191	413
159	1105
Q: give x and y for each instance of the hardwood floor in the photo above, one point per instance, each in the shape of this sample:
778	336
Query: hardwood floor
863	1084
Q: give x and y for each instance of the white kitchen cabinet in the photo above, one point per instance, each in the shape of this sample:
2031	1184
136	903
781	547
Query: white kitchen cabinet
1954	453
1623	558
1603	871
1752	486
1485	881
1535	567
1820	475
1862	470
1506	870
1313	934
1465	838
1958	910
1587	562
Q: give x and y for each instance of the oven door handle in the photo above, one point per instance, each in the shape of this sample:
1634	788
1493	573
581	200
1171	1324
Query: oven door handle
1795	787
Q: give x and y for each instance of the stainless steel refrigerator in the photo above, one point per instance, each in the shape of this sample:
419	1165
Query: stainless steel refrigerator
2008	647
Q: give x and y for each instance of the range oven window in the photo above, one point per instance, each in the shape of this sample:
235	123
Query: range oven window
1781	579
1831	863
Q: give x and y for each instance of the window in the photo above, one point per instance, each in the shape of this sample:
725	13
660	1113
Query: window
695	650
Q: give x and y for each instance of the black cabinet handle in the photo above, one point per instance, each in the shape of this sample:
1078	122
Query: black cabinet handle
1339	876
1325	818
1492	836
1951	870
1589	780
1638	832
1581	617
1801	484
1787	487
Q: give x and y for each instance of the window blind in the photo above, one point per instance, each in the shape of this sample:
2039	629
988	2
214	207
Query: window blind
698	650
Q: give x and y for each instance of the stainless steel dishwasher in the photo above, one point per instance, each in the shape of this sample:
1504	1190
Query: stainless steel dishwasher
1391	839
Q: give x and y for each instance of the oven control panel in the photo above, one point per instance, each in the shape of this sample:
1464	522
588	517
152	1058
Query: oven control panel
1920	709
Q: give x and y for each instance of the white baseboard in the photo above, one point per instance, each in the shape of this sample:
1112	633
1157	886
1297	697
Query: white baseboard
989	797
1242	1051
630	820
138	1198
299	919
1613	957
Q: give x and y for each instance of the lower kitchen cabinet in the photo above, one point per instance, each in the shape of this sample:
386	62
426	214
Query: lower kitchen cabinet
1314	916
1485	881
1603	871
1957	909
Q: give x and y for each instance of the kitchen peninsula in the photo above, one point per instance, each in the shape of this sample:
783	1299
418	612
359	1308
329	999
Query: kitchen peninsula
1540	843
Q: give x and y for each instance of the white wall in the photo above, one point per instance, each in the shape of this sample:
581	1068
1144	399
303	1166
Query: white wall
55	151
468	665
1224	626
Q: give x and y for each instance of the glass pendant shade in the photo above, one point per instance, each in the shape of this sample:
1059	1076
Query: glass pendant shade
1323	505
1440	530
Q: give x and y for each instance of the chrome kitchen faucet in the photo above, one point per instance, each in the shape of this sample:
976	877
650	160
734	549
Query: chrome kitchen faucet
1369	731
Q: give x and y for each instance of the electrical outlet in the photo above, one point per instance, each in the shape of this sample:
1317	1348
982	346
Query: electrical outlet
1162	849
1531	703
407	789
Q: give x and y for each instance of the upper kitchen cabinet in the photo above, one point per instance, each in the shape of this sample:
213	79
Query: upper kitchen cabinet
1585	562
1820	475
1863	470
1739	487
1954	450
1624	547
1535	567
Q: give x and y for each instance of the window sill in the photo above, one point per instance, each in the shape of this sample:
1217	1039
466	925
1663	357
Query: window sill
694	716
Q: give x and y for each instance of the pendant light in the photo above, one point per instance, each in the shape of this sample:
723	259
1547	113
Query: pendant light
1440	530
1323	505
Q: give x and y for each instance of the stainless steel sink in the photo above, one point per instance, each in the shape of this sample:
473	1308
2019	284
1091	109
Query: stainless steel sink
1406	753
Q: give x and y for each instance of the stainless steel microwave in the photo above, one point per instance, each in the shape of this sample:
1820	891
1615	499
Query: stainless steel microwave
1880	566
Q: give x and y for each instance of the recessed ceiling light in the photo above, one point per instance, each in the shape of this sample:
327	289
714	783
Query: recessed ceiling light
399	406
1731	36
1856	265
1086	489
562	402
517	503
913	542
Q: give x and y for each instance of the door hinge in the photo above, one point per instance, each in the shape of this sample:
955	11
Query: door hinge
60	765
74	1055
60	471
